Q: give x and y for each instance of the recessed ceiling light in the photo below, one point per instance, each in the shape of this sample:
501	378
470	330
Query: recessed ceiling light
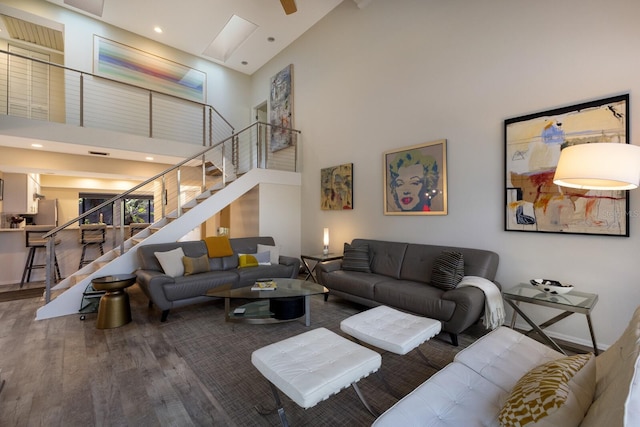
157	29
149	158
244	63
36	145
271	39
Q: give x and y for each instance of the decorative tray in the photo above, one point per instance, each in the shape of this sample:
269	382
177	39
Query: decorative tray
552	287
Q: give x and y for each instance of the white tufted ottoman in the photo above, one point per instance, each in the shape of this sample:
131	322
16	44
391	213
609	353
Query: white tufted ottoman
314	365
390	329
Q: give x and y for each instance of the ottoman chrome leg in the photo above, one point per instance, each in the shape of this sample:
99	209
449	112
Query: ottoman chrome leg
363	400
279	407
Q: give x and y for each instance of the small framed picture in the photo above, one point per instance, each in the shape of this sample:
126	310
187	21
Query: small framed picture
1	189
415	179
336	188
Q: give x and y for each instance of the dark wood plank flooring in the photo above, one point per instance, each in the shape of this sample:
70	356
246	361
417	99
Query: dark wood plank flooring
65	372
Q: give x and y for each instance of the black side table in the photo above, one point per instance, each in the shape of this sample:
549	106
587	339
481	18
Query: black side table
318	259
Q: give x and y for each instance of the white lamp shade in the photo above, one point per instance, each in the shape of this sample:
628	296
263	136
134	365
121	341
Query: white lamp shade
599	166
325	237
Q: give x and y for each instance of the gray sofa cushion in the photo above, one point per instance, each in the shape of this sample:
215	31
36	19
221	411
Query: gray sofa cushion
198	284
448	270
385	257
356	258
353	282
415	297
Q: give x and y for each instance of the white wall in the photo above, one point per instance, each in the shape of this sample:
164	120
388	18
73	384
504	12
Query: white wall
405	72
280	217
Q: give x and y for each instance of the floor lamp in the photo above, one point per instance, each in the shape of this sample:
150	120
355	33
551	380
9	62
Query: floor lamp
599	166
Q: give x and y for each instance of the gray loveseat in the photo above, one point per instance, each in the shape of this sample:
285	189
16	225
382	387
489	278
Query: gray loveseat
168	292
400	276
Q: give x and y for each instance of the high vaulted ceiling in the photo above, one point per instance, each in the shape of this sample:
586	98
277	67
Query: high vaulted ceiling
191	25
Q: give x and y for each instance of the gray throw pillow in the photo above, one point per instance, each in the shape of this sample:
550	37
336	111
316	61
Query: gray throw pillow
448	270
356	258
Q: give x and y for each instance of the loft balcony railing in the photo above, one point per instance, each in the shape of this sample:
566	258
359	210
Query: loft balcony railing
37	89
83	99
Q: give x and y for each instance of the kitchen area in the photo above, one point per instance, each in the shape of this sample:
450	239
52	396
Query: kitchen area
22	204
50	200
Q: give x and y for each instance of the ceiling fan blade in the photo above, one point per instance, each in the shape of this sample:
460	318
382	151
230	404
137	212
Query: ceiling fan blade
289	6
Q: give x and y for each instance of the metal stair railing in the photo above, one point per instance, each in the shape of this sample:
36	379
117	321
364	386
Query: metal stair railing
174	190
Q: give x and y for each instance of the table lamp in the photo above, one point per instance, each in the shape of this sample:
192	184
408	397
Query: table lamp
325	241
599	166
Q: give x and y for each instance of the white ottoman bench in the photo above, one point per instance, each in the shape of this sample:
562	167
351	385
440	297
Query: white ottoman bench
391	330
314	365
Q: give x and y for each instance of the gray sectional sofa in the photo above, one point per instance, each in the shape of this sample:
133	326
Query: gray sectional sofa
168	292
400	277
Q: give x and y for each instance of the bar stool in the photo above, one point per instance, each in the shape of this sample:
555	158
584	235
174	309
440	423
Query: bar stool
34	241
136	227
91	235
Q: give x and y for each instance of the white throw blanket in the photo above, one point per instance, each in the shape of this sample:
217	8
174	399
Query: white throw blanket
493	305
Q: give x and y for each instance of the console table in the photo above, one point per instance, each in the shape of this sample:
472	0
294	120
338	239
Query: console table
569	303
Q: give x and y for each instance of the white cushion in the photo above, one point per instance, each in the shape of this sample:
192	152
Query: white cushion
390	329
453	397
314	365
503	356
261	257
274	252
171	262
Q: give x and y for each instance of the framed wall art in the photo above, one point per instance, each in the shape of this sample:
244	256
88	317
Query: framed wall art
281	112
415	180
336	188
532	146
129	65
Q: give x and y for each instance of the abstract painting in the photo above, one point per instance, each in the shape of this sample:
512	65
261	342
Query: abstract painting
129	65
336	188
281	113
533	144
415	180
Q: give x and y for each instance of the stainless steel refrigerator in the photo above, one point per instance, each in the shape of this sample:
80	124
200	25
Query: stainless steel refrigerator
47	212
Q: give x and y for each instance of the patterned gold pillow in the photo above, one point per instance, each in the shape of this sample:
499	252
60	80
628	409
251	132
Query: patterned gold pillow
557	393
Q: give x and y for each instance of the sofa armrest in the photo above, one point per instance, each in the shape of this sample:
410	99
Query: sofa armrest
469	307
292	262
288	260
152	282
329	266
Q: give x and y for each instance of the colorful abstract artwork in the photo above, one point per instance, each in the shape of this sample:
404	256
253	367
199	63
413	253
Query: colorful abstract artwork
533	144
281	110
415	180
336	188
128	65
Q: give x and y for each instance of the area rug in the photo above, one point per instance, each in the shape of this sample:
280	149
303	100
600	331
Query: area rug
21	294
220	353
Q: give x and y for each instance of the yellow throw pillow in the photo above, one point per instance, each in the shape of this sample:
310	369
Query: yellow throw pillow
218	246
195	265
557	393
246	260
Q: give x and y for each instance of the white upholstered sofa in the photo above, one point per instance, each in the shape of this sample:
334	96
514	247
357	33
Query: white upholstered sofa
474	388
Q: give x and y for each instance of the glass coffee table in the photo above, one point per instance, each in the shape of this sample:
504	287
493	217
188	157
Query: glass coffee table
289	301
570	303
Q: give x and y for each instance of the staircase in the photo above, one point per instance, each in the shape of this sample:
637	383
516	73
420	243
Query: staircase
170	228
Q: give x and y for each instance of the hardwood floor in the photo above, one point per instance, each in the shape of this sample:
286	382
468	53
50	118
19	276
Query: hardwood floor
65	372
